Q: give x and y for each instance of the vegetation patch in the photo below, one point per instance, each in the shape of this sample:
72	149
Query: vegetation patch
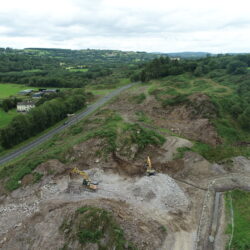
9	89
180	152
241	208
6	118
143	137
115	131
142	117
138	99
95	225
219	152
181	98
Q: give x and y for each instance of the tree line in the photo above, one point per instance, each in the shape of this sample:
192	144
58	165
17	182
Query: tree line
40	118
9	103
164	66
54	78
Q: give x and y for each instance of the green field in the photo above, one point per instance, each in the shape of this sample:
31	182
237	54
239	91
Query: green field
78	70
5	118
8	89
241	208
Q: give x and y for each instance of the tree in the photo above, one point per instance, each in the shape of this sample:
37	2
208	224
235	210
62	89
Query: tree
237	67
244	119
198	71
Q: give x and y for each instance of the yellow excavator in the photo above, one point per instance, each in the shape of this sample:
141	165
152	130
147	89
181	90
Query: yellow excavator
150	170
92	186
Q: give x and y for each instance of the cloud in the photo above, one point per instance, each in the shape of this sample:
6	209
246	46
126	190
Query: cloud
214	26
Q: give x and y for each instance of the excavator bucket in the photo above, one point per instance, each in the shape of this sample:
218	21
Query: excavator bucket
150	170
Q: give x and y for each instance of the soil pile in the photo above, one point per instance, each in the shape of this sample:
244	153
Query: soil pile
161	191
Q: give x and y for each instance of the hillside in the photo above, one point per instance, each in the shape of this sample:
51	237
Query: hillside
194	127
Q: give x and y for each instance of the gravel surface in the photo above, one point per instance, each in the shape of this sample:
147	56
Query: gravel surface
155	193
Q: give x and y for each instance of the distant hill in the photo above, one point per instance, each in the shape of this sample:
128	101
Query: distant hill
186	54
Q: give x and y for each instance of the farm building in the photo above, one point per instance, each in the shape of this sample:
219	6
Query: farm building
26	92
37	95
25	106
50	90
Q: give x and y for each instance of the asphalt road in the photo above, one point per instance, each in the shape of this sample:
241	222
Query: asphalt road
60	128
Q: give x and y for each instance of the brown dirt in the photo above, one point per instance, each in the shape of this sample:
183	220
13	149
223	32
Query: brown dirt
162	157
27	179
51	167
188	120
41	231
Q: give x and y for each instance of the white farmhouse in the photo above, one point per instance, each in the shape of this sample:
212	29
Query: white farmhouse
25	106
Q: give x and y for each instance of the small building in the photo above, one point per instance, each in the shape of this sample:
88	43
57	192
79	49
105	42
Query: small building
25	106
51	91
41	90
26	92
37	95
175	58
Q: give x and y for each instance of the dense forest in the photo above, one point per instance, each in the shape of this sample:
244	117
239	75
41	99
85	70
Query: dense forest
68	68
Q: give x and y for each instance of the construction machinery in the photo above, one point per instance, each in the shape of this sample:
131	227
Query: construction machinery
150	170
91	186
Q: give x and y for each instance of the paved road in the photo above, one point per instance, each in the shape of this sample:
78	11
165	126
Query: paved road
60	128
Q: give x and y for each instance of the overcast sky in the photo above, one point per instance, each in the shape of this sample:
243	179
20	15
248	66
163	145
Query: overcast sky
219	26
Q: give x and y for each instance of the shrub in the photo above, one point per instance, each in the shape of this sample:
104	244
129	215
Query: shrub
138	99
143	137
181	98
91	224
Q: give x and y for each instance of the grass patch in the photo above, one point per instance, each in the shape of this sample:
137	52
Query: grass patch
220	152
142	117
138	99
95	225
240	201
143	137
115	131
6	117
78	70
181	98
9	89
180	152
37	177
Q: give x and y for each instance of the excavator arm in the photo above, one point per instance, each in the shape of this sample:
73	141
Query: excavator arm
150	170
86	180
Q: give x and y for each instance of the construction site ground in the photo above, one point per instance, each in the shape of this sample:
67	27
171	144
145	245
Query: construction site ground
170	210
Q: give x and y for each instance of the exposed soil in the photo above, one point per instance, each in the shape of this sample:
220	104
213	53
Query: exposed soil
188	120
156	212
143	232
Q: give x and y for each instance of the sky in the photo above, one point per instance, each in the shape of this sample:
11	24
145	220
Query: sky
220	26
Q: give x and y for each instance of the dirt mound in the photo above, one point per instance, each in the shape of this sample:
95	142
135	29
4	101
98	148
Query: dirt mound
160	190
196	168
51	167
44	229
201	106
242	164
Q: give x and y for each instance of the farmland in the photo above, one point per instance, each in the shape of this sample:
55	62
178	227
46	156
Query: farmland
8	89
5	118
